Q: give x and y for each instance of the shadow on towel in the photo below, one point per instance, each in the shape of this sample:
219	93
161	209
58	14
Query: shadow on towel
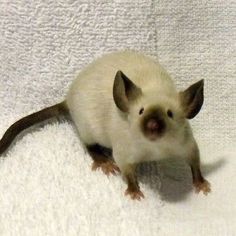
171	178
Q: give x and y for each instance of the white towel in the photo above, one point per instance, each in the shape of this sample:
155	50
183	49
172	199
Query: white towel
46	183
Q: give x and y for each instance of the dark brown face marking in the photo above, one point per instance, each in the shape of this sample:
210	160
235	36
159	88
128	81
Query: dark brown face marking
153	125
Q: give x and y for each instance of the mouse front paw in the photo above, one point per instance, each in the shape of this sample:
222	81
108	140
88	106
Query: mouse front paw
108	167
134	194
203	186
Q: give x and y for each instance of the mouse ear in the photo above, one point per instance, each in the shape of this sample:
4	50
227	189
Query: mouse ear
124	91
192	99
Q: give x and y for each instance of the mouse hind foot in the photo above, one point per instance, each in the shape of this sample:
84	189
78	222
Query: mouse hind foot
102	159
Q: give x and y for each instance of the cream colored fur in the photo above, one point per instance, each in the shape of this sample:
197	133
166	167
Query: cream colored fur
90	101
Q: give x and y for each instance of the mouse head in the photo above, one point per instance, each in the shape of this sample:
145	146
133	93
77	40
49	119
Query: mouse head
154	113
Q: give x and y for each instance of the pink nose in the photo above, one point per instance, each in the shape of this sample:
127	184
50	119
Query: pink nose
153	125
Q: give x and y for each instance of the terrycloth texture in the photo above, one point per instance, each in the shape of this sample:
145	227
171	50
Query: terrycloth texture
46	183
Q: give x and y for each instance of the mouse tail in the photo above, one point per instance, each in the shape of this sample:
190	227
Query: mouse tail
26	122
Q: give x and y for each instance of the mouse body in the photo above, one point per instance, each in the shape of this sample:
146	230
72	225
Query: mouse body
127	111
99	121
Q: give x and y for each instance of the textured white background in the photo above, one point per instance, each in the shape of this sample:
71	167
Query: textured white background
46	185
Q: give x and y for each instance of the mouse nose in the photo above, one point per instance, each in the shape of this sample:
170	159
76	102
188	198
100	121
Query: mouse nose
154	128
153	125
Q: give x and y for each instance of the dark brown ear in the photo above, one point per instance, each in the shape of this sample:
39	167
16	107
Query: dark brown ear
192	99
124	91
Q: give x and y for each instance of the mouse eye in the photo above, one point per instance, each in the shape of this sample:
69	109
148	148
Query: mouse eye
170	113
141	111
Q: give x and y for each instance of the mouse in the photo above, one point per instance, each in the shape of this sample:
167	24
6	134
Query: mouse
127	111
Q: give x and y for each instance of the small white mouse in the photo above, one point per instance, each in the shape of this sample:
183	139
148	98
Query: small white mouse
127	111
